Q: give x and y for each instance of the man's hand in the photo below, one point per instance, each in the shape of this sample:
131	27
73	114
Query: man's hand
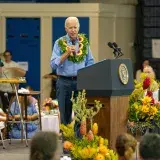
71	49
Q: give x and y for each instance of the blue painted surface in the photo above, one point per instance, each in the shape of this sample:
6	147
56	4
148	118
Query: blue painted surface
23	40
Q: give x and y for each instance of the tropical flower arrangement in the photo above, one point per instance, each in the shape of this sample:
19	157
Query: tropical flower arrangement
82	52
89	146
50	104
144	110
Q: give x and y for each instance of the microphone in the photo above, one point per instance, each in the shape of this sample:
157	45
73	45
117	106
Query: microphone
73	43
110	44
118	49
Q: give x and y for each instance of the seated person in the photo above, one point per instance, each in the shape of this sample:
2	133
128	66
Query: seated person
149	148
44	146
9	69
138	72
31	99
32	116
125	146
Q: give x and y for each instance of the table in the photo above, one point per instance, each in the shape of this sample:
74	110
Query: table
50	123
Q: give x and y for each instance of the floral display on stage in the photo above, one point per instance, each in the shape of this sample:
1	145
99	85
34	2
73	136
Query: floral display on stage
50	106
144	108
88	145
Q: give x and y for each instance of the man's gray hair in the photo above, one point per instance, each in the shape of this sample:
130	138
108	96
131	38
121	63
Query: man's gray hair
72	18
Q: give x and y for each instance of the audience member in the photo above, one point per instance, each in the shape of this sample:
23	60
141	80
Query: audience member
32	116
149	70
125	146
44	146
138	73
149	148
7	70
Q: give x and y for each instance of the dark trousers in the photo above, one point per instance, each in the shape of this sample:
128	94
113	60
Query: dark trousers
5	103
64	89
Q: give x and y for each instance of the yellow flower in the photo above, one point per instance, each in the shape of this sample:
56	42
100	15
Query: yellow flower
99	157
80	39
153	110
80	45
143	76
145	109
95	128
103	150
146	100
101	141
79	52
136	106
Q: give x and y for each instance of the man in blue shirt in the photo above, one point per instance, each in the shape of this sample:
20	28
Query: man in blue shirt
70	53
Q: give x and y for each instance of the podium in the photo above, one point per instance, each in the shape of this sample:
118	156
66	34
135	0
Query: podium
111	82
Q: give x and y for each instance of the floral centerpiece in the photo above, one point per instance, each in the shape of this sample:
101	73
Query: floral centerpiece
50	104
144	110
90	146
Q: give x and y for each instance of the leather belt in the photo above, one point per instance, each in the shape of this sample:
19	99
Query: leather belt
69	78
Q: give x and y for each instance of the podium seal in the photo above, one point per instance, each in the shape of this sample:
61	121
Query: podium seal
123	73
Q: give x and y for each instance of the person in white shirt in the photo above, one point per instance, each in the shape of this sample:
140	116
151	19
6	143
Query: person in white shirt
9	68
138	72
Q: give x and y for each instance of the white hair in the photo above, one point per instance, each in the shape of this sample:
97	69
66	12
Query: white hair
72	18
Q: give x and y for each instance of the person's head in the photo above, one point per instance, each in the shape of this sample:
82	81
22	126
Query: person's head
126	146
72	27
43	146
149	71
145	63
7	56
29	88
149	147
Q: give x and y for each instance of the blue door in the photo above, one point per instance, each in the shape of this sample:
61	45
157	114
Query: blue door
23	40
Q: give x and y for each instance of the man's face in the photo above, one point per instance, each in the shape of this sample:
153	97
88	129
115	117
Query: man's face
7	56
72	29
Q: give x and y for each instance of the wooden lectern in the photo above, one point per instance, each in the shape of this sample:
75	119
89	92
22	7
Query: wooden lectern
111	82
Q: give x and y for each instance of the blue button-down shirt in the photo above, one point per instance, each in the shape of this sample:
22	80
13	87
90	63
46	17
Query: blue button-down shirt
68	68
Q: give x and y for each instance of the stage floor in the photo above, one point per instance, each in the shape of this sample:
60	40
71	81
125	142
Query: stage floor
18	150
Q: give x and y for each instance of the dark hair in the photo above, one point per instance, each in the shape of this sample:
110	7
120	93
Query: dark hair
7	51
126	145
149	147
43	146
29	88
141	67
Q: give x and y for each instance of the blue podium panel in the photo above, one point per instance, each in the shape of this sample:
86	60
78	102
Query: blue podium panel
59	28
23	40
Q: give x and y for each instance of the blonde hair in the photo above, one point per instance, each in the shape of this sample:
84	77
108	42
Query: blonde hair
72	18
126	145
149	70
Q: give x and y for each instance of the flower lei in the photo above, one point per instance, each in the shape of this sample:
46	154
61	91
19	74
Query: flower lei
82	52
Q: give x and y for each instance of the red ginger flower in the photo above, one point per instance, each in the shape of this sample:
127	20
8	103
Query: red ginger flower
153	101
149	93
146	83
